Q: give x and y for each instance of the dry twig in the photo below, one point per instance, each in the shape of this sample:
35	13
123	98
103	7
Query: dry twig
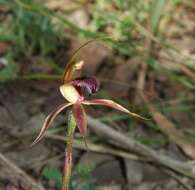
96	148
178	179
26	181
131	145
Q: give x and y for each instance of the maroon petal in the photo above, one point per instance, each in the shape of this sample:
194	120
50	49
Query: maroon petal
89	83
49	119
112	104
80	118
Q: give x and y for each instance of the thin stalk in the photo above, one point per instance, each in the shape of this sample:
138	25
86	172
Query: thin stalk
68	153
38	76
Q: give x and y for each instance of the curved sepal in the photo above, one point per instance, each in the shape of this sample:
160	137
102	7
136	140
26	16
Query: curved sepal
49	119
71	67
112	104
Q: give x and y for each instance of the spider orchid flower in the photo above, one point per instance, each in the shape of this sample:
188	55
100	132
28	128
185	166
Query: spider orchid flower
74	92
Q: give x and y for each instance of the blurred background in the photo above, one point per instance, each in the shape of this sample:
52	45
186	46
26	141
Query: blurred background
147	65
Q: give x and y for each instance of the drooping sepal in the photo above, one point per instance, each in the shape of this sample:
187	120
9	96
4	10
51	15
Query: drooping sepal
80	118
49	119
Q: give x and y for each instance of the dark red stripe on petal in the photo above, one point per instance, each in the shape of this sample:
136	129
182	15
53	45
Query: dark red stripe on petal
80	118
90	84
49	119
112	104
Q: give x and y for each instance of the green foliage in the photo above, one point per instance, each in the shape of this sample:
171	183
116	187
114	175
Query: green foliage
83	172
173	75
9	69
176	2
152	141
156	11
30	31
53	174
33	30
117	18
86	187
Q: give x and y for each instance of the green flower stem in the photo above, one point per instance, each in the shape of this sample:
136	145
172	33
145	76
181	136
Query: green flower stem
68	153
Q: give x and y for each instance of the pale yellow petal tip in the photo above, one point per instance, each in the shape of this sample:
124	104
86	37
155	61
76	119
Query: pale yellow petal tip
69	93
79	65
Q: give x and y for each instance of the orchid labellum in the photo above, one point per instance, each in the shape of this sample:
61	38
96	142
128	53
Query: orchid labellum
75	92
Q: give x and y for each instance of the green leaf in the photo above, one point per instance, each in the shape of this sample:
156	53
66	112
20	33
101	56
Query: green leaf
187	83
153	63
10	70
156	10
1	187
53	174
152	141
84	171
86	187
177	2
